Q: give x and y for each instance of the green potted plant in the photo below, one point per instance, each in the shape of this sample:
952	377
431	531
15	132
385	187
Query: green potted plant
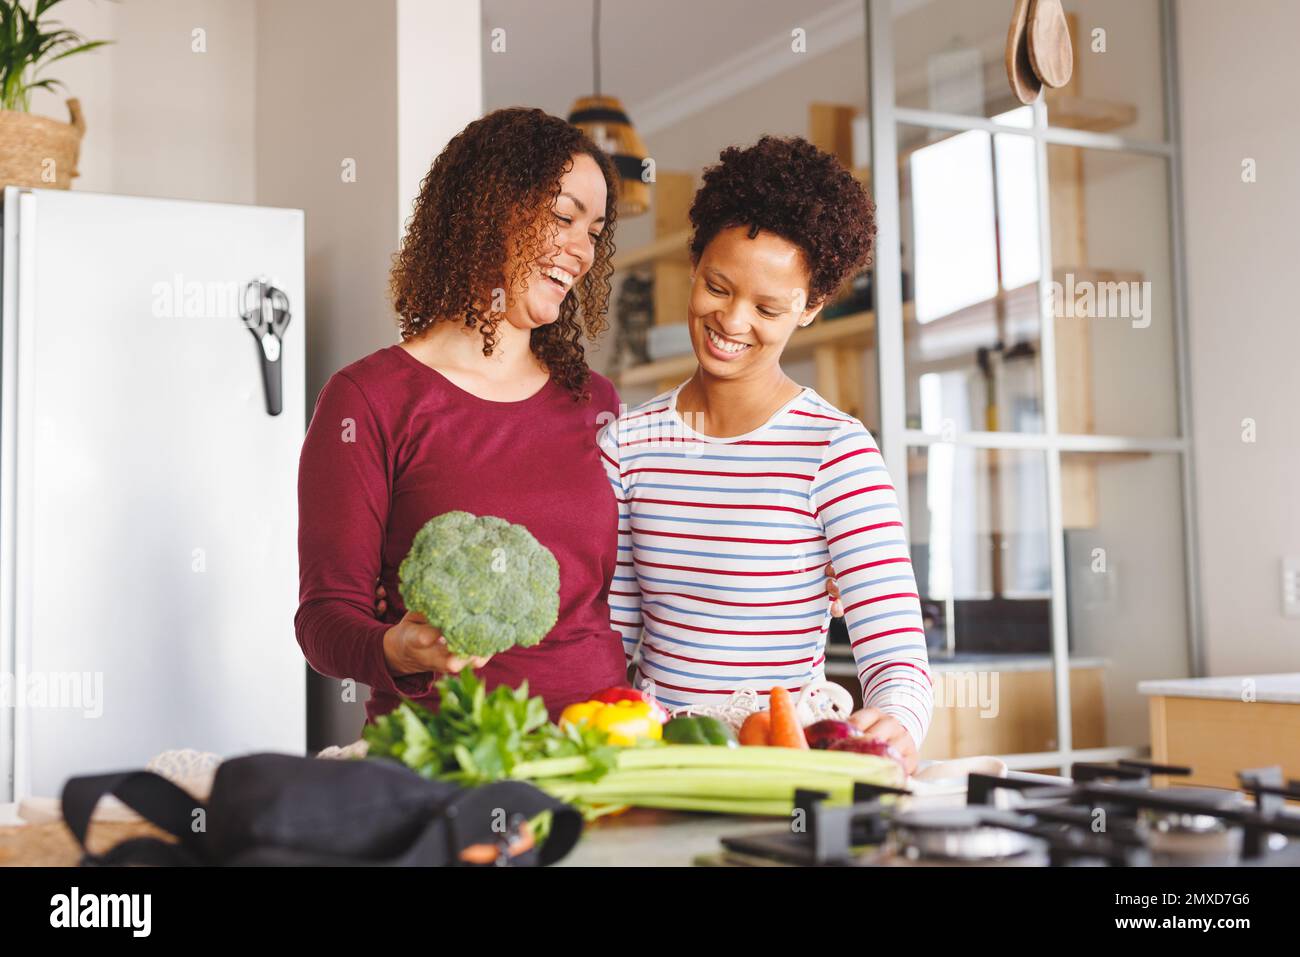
36	150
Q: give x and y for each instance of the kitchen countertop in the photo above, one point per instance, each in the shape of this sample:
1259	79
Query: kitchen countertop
1276	688
639	837
646	838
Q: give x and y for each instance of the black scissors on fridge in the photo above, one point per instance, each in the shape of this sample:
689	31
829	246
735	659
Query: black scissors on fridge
265	310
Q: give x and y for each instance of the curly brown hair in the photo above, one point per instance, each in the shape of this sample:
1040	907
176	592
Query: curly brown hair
482	206
790	188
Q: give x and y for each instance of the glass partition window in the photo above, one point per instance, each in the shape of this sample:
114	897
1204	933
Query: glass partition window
1112	292
969	242
981	551
1124	571
1119	83
1044	498
979	534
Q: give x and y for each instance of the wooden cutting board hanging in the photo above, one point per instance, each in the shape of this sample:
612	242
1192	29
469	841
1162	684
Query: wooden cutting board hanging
1050	52
1025	83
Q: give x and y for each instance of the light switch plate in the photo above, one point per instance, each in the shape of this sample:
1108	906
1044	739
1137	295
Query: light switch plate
1291	587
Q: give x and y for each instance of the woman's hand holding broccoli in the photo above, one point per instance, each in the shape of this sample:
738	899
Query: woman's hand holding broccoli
474	586
413	646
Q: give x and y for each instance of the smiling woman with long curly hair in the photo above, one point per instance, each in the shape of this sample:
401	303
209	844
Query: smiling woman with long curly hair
485	208
486	406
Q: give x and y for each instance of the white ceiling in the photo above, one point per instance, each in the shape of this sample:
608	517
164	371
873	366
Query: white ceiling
646	47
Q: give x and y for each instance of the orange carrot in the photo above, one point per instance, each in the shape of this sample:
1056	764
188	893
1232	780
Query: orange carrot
488	853
755	728
786	731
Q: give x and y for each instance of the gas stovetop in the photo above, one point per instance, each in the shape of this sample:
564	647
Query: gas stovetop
1104	815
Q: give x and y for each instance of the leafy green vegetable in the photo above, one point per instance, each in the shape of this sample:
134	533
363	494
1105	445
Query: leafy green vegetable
487	584
477	736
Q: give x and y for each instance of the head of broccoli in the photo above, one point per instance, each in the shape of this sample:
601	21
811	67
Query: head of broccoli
486	583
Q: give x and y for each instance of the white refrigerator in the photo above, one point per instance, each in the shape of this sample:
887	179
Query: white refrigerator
152	386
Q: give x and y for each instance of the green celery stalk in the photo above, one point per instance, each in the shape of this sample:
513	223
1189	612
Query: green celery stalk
673	802
857	767
550	767
862	767
705	782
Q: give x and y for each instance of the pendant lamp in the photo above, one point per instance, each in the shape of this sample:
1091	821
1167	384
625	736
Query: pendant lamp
605	121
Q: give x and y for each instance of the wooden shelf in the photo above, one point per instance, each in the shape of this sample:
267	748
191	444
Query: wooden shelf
672	246
1074	112
857	329
919	464
1084	113
1104	458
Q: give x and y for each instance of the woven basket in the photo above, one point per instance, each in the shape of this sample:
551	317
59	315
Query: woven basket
38	151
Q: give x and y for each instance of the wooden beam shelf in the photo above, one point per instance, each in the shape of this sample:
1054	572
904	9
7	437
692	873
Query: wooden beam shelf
672	246
1084	113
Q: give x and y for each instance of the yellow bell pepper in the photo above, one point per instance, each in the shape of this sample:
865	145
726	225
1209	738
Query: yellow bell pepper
626	722
580	713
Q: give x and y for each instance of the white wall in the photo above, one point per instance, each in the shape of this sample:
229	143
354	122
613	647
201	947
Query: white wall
314	115
439	63
1240	77
162	119
383	86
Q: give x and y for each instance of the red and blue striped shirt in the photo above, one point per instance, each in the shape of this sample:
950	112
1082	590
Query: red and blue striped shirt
722	548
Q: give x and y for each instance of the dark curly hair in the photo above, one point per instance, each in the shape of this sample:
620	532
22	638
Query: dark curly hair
484	204
789	187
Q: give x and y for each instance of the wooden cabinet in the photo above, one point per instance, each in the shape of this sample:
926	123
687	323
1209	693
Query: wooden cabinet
1025	719
1217	737
1017	715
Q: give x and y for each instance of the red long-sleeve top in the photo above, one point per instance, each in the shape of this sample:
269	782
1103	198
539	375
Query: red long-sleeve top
392	443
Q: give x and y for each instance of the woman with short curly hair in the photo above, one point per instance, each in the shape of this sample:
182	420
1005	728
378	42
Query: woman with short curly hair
737	487
486	406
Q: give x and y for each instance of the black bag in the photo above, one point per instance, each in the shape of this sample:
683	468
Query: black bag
282	810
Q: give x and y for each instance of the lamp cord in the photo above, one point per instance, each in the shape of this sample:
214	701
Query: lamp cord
595	45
